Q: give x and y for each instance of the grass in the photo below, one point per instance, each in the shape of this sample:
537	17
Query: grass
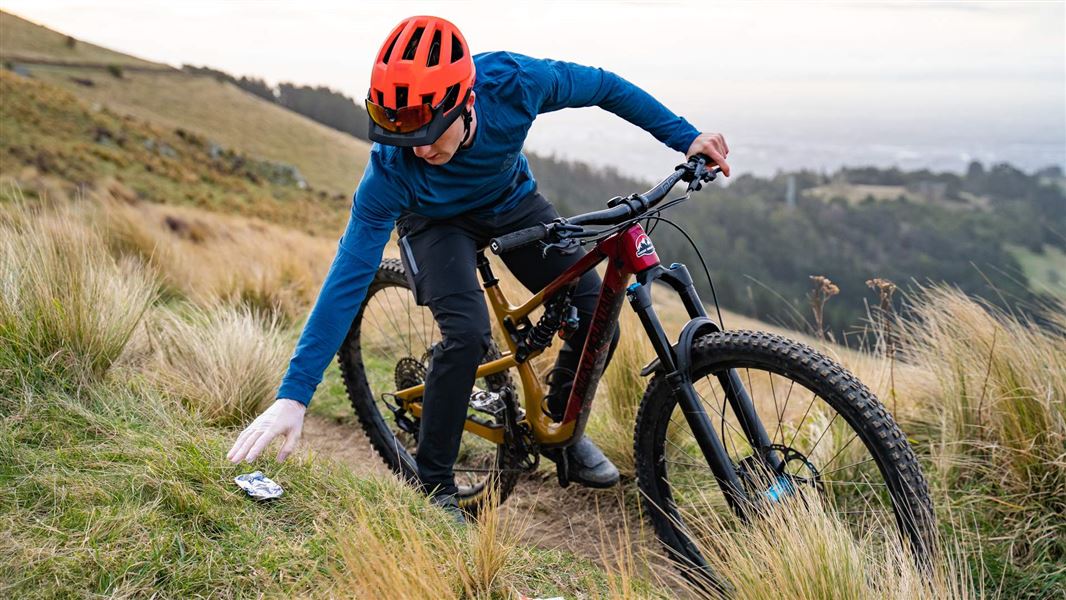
223	365
216	111
24	39
799	550
57	145
1046	271
193	254
66	308
994	414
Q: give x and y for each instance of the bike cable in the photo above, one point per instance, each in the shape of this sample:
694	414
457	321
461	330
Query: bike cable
652	217
706	271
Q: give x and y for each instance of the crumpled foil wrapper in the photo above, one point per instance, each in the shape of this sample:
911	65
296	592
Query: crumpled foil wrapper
258	486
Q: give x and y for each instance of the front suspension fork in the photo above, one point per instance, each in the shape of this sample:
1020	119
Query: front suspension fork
674	360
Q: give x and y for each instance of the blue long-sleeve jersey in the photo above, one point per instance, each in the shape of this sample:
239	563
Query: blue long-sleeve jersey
493	174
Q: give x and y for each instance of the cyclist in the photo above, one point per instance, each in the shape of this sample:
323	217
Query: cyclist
448	173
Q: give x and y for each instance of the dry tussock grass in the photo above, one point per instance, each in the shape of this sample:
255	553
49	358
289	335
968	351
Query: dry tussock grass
799	550
66	306
222	364
392	552
994	407
213	259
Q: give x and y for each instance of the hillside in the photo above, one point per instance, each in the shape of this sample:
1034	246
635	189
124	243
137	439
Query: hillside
22	39
218	111
54	144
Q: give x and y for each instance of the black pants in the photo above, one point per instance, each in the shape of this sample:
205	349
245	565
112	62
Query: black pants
440	255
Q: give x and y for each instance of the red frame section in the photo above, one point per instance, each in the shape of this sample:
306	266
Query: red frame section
627	252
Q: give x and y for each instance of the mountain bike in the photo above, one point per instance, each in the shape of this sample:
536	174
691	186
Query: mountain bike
733	421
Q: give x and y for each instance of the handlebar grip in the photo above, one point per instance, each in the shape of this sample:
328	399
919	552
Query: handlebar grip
518	239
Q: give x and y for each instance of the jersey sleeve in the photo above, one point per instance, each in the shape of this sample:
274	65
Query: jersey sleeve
550	85
358	255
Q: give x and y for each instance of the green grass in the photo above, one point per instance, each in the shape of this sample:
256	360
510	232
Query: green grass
111	492
1045	271
331	398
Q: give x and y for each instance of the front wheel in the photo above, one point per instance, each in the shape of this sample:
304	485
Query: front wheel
829	432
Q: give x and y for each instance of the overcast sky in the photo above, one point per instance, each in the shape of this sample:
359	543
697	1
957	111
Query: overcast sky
963	76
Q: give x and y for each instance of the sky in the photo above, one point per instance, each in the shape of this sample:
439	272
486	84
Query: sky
799	84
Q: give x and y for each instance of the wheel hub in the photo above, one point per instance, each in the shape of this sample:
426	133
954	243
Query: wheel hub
793	474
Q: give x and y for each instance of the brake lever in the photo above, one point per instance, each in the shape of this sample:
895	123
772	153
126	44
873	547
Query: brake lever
702	175
564	246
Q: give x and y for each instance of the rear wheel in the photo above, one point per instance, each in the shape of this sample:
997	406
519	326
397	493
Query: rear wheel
834	440
388	348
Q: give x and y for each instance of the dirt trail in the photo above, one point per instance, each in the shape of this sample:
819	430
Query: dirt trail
583	521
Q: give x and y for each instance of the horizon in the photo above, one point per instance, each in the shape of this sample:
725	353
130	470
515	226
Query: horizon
975	81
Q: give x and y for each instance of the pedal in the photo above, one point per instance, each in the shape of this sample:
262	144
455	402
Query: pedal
489	403
562	464
562	470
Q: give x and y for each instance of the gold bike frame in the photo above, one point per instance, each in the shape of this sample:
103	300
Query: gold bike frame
546	431
627	256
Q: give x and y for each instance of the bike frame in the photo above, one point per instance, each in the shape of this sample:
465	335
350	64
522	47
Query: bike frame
628	253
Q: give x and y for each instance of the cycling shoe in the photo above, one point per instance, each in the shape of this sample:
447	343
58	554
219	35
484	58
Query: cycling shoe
587	465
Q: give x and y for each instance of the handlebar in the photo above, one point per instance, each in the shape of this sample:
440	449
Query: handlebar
694	171
518	239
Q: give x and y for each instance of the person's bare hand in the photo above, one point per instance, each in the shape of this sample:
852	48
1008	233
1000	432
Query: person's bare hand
714	146
284	417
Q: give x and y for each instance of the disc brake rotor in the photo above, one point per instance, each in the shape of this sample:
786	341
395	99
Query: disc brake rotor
794	473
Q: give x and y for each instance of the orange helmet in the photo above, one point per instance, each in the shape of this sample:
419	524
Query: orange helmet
422	78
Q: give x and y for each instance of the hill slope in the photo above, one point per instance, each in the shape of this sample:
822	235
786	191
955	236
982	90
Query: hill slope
222	113
54	145
22	39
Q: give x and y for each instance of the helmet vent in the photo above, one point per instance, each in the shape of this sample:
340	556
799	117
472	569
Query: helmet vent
381	97
388	52
434	50
427	99
451	96
409	51
401	96
457	48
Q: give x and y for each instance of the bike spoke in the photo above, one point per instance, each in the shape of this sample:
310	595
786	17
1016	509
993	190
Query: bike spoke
841	451
776	411
803	420
781	416
827	428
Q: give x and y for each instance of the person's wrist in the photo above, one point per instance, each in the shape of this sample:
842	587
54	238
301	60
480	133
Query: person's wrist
290	404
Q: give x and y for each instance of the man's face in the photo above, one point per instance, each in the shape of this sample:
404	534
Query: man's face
442	150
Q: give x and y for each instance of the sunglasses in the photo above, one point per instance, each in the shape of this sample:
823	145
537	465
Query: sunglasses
407	119
404	120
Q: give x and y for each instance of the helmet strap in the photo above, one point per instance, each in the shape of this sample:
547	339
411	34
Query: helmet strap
467	118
